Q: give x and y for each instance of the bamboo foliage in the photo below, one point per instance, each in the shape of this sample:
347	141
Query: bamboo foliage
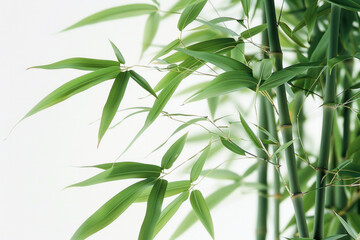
317	41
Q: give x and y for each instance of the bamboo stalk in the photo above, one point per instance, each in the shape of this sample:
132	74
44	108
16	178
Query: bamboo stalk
261	225
277	194
284	118
327	124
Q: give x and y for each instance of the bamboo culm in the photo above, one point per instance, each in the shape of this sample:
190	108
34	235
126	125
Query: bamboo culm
284	119
327	125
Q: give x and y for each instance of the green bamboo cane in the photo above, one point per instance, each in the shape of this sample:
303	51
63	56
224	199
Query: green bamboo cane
285	123
328	116
276	178
261	228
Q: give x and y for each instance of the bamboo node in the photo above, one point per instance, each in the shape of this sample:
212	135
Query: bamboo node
321	169
296	195
276	54
285	126
277	196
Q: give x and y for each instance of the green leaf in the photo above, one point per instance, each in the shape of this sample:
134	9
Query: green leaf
283	147
213	104
111	210
151	27
212	201
232	146
291	35
335	237
171	46
201	209
113	102
218	27
262	70
225	83
153	210
347	227
223	174
250	133
118	54
223	62
73	87
310	16
351	5
253	31
173	188
246	6
354	147
334	61
199	164
126	170
142	82
189	14
125	11
87	64
170	211
173	152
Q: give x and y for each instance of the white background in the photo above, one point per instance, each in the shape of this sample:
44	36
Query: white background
39	157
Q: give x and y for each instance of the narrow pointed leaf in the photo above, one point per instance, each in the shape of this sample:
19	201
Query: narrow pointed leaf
223	62
173	188
246	6
87	64
113	102
283	147
250	133
111	210
117	52
232	146
171	46
153	210
73	87
253	31
142	82
212	25
352	5
290	34
189	14
151	27
125	11
170	211
335	237
347	227
201	209
212	201
127	170
199	164
173	153
223	174
225	83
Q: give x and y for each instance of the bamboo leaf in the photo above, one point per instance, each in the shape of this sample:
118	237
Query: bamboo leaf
153	210
170	211
283	147
223	62
173	188
190	13
217	27
125	11
113	102
151	27
232	146
73	87
262	70
199	164
223	174
351	5
171	46
250	133
347	227
126	170
334	61
290	34
212	201
111	210
173	152
118	54
87	64
253	31
335	237
225	83
142	82
201	209
246	6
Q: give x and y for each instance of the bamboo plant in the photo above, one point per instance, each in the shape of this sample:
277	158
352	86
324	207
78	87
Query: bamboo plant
241	51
